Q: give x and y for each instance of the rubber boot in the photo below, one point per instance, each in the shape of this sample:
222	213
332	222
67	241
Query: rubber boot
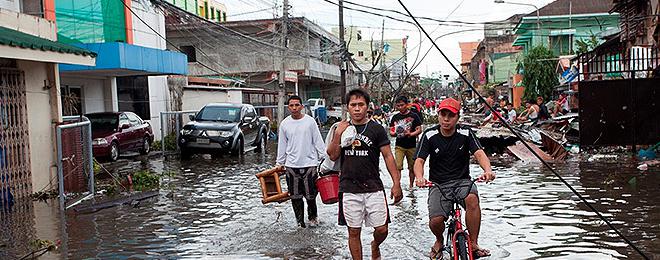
299	210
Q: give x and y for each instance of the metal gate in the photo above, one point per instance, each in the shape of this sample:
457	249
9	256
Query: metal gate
75	166
15	174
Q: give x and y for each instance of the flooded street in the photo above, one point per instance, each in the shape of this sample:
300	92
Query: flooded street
211	208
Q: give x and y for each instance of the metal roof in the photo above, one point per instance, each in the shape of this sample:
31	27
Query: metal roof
15	38
565	7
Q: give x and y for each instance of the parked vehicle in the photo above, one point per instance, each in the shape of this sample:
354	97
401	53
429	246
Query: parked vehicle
334	112
312	105
114	133
223	127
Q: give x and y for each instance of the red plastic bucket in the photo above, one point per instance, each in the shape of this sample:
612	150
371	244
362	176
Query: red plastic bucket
328	187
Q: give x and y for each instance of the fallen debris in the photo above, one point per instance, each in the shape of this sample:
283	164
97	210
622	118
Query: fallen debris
521	152
116	202
554	147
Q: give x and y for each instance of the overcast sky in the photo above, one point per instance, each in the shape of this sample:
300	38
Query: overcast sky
326	15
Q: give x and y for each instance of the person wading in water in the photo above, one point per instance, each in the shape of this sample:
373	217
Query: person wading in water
300	147
362	198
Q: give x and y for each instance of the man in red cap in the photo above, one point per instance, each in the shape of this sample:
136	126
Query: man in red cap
450	148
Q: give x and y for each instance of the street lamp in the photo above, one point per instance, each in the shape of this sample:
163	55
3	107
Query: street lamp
538	17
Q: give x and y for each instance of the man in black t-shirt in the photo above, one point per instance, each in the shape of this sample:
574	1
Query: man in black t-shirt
405	126
362	198
449	169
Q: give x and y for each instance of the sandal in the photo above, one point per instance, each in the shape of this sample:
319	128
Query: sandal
481	252
434	254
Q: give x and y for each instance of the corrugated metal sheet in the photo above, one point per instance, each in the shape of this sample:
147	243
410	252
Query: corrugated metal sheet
15	38
565	7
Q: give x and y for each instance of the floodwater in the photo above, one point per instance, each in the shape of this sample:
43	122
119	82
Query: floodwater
211	208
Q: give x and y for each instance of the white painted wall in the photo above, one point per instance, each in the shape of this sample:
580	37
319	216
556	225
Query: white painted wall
158	102
142	35
10	5
235	96
42	149
93	92
195	99
30	24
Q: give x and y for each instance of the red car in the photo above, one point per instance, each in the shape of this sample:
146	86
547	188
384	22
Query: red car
114	133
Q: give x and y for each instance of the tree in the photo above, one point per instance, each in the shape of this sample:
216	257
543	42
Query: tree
586	45
539	77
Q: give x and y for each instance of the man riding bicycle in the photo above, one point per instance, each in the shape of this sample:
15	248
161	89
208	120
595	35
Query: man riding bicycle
450	149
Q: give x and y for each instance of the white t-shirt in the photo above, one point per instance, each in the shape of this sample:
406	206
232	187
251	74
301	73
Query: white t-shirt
512	115
299	143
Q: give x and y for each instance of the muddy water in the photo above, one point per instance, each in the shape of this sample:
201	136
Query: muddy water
211	209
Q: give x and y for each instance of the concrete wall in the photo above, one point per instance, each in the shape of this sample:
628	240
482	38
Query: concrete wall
26	23
195	99
93	92
158	102
42	151
142	35
235	96
13	5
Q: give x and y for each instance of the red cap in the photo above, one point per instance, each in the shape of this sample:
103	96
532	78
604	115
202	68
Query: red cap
450	104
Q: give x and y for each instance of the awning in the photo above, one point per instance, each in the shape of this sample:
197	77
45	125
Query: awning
23	46
122	59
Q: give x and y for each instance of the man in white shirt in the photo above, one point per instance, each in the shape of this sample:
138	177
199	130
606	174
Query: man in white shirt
300	148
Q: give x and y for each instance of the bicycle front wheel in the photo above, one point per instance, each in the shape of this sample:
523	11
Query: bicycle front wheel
461	247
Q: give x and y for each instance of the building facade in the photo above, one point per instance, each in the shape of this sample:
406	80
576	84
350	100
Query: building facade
561	23
132	63
30	107
251	51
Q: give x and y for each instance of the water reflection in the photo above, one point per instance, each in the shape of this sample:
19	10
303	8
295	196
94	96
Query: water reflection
212	208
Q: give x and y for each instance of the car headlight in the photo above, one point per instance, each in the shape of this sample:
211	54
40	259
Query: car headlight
186	131
99	141
215	133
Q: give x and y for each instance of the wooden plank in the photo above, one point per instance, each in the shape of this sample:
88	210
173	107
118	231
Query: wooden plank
521	152
555	149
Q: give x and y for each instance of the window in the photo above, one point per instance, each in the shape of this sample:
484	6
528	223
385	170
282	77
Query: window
219	16
374	53
201	11
224	16
123	120
190	52
359	35
360	54
212	13
72	101
133	95
134	119
561	44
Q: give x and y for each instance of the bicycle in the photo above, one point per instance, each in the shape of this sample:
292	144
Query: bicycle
457	243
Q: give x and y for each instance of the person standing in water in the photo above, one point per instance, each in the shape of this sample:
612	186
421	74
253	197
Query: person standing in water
300	147
362	198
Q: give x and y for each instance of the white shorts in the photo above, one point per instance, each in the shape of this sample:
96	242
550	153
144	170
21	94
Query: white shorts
368	208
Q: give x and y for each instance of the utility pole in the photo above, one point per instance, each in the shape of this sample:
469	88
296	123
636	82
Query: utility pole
344	54
382	62
282	83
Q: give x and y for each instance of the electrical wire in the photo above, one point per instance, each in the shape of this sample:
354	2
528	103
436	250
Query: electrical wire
483	100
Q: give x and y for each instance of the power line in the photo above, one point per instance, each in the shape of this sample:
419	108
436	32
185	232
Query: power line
167	41
252	12
483	100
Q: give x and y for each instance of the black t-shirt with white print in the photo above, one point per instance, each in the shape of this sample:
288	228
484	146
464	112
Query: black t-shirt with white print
450	156
400	123
359	162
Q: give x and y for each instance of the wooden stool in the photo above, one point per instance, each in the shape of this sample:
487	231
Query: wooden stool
271	188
